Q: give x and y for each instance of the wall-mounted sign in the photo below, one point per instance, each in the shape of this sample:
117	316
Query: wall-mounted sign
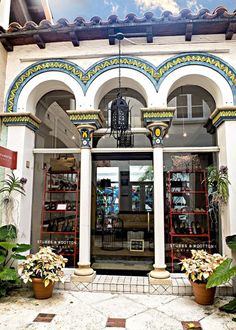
8	158
137	245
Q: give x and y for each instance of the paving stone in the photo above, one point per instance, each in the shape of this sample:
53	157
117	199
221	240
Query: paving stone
119	306
152	320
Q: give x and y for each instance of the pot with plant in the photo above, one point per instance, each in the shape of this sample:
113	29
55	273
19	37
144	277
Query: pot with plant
198	268
43	269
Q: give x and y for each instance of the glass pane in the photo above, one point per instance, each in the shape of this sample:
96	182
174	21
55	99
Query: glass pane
197	112
196	99
141	173
182	112
149	198
108	198
108	173
135	198
181	100
122	214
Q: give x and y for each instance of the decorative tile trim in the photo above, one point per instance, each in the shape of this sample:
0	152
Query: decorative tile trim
222	114
93	117
21	119
151	115
85	77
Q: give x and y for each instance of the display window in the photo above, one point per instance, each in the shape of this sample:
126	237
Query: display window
191	220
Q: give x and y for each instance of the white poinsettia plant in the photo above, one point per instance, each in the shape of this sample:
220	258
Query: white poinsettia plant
44	264
201	265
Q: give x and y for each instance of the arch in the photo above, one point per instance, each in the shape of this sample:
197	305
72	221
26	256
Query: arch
130	79
44	83
201	76
85	77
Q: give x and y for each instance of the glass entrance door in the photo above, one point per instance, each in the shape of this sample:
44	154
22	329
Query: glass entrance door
122	219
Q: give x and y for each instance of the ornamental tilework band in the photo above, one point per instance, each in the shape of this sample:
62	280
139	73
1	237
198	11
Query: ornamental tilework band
86	77
222	116
83	118
24	120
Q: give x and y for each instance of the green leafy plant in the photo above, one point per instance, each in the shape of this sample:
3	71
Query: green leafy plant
9	252
223	274
231	242
44	264
201	265
11	185
218	184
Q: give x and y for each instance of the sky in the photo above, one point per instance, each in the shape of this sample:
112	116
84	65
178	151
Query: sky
70	9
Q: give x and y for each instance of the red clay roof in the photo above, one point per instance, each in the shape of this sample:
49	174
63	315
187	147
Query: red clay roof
220	21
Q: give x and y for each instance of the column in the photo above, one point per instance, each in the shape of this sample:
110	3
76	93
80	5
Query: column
5	6
159	275
86	122
20	137
85	273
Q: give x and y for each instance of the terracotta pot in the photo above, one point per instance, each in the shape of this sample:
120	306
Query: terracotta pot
203	296
40	291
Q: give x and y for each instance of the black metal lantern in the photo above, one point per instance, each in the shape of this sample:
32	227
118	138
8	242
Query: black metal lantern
120	114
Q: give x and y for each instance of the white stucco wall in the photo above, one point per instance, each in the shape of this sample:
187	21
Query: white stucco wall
227	156
90	52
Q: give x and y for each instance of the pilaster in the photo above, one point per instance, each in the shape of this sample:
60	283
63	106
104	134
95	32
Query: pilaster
21	129
223	122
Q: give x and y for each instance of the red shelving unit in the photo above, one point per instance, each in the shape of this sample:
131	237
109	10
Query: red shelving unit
60	214
189	223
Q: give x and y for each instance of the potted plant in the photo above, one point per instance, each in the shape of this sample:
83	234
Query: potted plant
198	268
43	269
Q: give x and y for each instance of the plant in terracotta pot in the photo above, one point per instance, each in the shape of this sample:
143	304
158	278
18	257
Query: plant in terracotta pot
43	269
198	269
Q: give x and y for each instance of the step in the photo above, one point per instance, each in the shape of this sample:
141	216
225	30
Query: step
180	285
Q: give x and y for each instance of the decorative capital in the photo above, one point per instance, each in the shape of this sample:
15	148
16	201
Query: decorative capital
86	117
158	131
86	134
158	121
151	115
219	116
21	119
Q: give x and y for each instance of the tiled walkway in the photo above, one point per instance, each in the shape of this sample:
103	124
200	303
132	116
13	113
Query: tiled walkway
71	310
138	284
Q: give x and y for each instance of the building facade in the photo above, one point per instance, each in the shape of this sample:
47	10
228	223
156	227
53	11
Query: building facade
143	205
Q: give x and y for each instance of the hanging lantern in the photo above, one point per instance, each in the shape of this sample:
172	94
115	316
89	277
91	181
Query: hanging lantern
120	114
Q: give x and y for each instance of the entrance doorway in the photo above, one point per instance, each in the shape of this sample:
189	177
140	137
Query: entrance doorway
122	213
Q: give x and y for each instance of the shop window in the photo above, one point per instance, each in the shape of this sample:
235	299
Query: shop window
191	221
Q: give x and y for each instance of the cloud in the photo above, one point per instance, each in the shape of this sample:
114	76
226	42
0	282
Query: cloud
170	5
114	6
194	5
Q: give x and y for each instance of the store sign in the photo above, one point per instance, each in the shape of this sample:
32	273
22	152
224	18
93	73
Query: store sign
8	158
